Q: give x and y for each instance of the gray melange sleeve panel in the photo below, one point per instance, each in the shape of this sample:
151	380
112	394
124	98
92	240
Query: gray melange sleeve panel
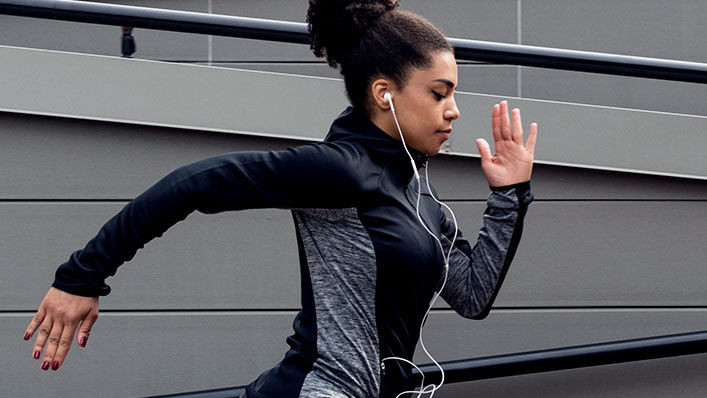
473	283
342	267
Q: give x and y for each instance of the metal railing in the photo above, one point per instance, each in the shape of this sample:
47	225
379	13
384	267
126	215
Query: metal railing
295	32
569	357
538	361
472	50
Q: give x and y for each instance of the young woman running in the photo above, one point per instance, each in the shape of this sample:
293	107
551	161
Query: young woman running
375	246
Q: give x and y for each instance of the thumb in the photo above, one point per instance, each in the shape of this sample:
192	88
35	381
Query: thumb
85	329
484	149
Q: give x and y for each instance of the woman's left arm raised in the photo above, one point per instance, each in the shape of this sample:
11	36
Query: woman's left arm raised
476	274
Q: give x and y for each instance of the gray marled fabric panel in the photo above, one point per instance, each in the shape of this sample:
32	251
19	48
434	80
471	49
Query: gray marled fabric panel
342	267
469	288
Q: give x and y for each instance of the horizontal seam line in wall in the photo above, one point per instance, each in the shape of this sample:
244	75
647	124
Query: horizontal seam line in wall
536	200
295	62
122	200
601	307
438	310
284	62
64	200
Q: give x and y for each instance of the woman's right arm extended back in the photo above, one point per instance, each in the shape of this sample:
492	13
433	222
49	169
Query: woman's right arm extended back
315	175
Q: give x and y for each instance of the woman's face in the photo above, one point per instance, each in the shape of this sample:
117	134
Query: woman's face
425	106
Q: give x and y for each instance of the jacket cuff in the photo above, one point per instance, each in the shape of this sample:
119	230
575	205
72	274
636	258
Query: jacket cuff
76	290
72	278
522	191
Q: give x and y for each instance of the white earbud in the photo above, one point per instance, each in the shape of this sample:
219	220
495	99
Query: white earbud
389	98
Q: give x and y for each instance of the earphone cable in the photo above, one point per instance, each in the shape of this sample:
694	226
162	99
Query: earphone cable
434	387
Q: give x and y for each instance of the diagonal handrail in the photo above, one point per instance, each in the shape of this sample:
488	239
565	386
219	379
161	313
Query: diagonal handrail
522	363
569	357
296	32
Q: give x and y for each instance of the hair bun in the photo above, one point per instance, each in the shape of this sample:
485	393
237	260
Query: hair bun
335	25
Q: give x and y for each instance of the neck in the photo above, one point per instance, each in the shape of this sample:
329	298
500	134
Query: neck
385	122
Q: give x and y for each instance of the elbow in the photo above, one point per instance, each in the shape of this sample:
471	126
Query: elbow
482	314
479	306
475	312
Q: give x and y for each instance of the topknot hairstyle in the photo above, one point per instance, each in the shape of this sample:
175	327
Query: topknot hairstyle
369	39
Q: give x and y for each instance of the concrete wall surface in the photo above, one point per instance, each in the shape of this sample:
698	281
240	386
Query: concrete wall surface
294	106
613	247
605	256
650	28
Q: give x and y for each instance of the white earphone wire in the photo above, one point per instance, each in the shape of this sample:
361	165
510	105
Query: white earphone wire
434	387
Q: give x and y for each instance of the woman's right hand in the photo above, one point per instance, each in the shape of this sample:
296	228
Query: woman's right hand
57	318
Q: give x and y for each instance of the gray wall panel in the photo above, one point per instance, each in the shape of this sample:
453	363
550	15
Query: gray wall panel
596	136
571	254
633	27
644	28
652	28
495	21
47	157
57	158
106	40
605	254
232	260
142	354
145	354
235	100
460	178
596	243
169	94
618	91
297	68
486	79
478	20
228	48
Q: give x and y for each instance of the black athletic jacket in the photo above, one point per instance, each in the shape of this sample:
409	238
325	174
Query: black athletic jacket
369	269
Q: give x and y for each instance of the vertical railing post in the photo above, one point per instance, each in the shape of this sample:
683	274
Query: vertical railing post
127	42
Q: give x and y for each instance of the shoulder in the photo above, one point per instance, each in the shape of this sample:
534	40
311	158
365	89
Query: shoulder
348	161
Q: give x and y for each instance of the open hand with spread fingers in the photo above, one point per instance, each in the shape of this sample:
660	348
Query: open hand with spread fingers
512	161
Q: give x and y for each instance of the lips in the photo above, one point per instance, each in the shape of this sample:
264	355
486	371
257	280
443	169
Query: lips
445	133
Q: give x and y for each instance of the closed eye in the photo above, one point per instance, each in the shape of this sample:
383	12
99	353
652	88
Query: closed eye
437	95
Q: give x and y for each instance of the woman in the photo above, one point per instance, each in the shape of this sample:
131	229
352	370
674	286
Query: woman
374	244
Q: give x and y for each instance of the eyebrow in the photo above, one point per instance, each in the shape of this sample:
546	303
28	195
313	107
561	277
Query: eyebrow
445	81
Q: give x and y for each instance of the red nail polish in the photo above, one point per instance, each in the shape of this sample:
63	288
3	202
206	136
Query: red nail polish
37	354
45	365
55	365
82	342
27	336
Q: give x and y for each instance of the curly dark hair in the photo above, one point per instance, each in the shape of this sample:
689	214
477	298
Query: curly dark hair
369	39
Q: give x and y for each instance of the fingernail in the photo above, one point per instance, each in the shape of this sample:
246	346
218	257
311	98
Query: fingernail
55	365
82	342
45	365
37	354
27	336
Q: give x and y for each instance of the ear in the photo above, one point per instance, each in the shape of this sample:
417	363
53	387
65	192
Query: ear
378	89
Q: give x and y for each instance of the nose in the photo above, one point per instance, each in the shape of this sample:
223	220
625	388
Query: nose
452	112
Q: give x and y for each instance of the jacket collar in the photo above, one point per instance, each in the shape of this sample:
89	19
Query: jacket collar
354	126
